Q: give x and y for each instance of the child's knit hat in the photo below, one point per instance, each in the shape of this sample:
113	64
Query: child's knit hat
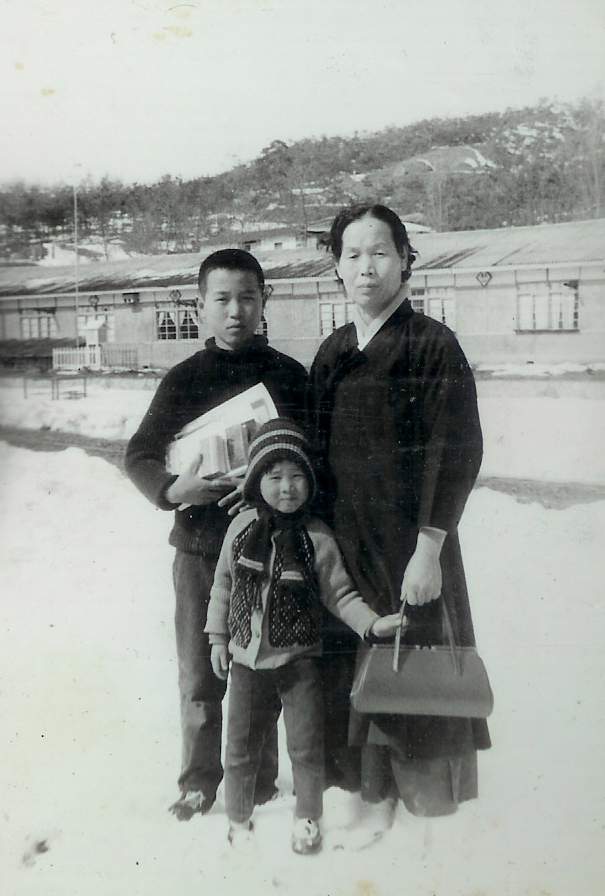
276	440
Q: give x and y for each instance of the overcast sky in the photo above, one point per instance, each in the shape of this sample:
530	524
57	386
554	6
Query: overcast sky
135	89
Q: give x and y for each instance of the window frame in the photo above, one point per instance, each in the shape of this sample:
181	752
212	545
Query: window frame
38	319
183	331
422	297
542	307
339	310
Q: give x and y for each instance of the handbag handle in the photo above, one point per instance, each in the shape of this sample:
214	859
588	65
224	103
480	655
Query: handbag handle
398	636
448	631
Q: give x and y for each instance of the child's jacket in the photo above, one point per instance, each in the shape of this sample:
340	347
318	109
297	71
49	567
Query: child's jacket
251	640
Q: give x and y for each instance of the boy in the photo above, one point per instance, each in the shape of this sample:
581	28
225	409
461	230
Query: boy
231	302
276	564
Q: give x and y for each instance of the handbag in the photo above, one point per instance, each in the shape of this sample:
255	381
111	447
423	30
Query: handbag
412	680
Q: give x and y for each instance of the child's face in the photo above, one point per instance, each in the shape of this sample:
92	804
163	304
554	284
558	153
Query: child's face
231	306
284	486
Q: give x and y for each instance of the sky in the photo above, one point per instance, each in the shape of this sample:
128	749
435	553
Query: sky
135	89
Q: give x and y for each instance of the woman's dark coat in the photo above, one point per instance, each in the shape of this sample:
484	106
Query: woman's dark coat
397	428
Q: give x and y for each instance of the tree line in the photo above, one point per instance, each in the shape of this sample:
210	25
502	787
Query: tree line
527	166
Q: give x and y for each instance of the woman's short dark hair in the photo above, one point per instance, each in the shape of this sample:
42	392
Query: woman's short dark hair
230	260
353	213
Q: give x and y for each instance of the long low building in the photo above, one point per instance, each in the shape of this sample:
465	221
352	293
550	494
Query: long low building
511	295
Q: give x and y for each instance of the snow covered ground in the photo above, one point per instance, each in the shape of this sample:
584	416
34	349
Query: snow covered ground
533	370
556	439
89	711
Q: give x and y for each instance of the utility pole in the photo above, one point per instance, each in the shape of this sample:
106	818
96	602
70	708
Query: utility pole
76	270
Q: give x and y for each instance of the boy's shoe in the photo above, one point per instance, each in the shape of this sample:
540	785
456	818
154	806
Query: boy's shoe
306	837
240	834
190	803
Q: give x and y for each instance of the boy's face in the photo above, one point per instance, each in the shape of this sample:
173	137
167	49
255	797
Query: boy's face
231	306
284	486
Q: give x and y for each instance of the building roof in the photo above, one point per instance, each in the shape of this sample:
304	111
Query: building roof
571	243
574	242
149	272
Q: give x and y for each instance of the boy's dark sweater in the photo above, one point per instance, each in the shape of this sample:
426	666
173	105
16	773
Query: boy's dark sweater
188	390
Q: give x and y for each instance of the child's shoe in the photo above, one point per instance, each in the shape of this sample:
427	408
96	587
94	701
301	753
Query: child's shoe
190	803
240	834
306	837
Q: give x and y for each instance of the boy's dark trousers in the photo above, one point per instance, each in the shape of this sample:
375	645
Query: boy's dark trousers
251	709
201	692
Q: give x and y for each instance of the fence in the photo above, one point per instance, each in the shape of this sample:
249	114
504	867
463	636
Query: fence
119	356
95	357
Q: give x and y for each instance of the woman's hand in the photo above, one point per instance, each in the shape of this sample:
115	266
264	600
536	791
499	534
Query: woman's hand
386	626
219	657
422	579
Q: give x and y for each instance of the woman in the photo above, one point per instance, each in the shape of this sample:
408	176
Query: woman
394	408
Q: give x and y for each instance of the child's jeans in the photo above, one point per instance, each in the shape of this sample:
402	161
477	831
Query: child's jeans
201	691
251	700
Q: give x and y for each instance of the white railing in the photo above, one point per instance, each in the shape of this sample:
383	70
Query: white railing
119	356
77	358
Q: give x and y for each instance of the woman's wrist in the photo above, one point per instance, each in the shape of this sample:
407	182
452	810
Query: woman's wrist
430	540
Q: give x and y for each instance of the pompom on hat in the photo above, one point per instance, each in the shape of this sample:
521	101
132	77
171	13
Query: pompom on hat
277	440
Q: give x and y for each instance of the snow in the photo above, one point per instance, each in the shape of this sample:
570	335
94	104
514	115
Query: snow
558	439
539	370
485	163
89	252
108	413
549	440
89	730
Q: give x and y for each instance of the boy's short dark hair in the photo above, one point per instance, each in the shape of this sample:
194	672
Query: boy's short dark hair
354	213
230	260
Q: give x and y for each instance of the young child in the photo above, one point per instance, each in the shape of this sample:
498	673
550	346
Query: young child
276	564
231	301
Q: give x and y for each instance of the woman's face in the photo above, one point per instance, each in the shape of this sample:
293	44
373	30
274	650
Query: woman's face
370	266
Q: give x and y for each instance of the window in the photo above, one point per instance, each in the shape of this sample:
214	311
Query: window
443	309
437	302
547	306
188	328
418	301
172	323
333	314
38	325
278	245
166	324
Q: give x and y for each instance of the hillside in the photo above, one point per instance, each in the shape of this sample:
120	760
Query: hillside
526	166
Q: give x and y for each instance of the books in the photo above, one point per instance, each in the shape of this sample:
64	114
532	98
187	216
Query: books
220	438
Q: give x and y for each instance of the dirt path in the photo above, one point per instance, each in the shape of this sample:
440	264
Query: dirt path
556	495
53	440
